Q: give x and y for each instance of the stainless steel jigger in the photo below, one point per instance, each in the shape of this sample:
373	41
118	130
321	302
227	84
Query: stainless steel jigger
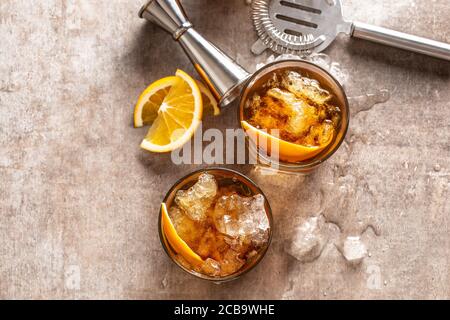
222	74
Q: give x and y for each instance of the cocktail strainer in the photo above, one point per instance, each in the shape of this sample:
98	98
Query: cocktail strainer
304	26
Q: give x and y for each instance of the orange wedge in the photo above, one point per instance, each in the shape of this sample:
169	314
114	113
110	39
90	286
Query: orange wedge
177	117
146	110
209	102
288	151
178	244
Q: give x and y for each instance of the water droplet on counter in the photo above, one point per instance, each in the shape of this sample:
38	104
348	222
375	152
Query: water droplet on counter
344	203
346	194
164	282
333	67
368	101
321	59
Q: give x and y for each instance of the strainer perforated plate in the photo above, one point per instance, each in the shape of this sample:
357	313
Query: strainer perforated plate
286	26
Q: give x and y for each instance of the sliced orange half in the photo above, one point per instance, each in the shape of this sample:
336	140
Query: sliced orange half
178	244
177	117
146	109
288	151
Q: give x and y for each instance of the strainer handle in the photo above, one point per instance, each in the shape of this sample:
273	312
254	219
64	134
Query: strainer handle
401	40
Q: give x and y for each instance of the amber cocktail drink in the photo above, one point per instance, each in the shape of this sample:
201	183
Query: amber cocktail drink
215	224
296	108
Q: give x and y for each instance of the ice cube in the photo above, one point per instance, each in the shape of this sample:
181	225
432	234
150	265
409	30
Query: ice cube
240	245
212	244
196	201
304	87
188	230
266	112
354	250
211	267
301	116
298	119
231	262
308	241
273	82
320	134
242	217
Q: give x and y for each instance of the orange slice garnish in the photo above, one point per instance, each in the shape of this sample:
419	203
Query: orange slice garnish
287	151
178	244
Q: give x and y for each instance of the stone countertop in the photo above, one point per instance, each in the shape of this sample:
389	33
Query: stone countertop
79	199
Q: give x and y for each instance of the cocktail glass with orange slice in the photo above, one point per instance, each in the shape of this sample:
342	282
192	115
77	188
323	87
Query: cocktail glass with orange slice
215	224
306	107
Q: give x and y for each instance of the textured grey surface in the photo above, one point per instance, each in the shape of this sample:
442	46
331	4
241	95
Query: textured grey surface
79	200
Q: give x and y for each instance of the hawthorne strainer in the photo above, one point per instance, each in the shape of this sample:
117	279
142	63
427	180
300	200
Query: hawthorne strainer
305	26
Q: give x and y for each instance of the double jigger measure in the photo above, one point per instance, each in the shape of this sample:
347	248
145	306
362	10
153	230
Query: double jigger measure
222	74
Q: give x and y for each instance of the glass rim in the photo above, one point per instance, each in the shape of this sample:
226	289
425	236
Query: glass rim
260	255
316	160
